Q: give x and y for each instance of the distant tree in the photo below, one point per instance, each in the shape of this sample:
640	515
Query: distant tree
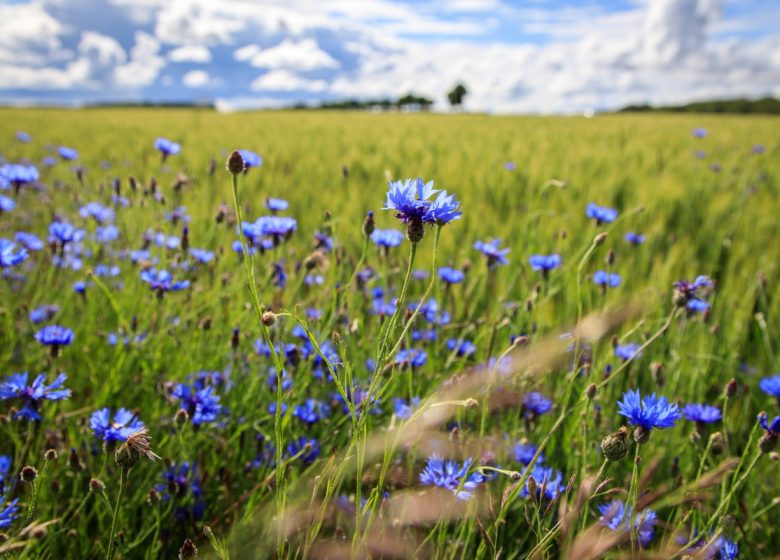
415	102
457	94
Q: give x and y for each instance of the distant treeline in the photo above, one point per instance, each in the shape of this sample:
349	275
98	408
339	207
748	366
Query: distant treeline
764	106
409	102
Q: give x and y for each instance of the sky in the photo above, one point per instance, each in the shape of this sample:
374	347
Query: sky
532	56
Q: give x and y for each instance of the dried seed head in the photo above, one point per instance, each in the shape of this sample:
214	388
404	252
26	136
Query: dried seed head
368	224
188	550
269	318
50	455
716	443
731	388
615	445
96	485
590	392
28	474
600	238
181	417
136	446
768	442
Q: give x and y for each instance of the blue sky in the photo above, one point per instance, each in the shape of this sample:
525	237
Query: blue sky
546	56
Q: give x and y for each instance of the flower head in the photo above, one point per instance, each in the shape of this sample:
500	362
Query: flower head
123	425
54	335
603	278
10	255
524	453
17	175
62	233
451	275
650	412
410	200
701	413
771	386
544	263
312	411
451	476
536	403
491	249
634	238
772	427
601	214
68	154
387	237
162	281
6	204
15	387
199	400
8	513
617	516
276	204
628	351
167	147
548	482
251	159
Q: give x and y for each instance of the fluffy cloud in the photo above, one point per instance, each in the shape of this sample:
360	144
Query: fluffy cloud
543	57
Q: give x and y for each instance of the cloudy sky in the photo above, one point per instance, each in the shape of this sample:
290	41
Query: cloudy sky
548	56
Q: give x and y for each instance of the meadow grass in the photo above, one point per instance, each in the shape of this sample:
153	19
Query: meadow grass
267	483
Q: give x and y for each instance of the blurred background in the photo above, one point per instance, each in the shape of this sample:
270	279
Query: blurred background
536	56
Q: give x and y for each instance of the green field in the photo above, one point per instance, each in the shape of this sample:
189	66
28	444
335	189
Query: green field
713	213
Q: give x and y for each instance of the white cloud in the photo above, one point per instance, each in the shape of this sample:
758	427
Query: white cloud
190	53
284	80
195	79
294	55
145	63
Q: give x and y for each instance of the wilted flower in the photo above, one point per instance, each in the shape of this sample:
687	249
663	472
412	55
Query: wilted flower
136	445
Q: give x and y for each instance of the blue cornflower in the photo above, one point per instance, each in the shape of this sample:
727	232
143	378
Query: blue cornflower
251	159
124	424
276	204
465	348
106	271
202	255
635	238
63	233
279	276
404	410
685	291
443	210
701	413
68	154
771	386
536	403
495	255
30	241
108	233
600	213
10	255
451	275
772	427
8	513
6	204
23	137
697	306
17	175
179	214
167	147
603	278
308	448
43	313
524	453
183	484
387	237
5	468
617	516
101	214
451	476
287	381
199	402
544	263
323	241
549	482
648	413
409	199
628	351
414	357
162	281
699	132
54	335
15	386
312	411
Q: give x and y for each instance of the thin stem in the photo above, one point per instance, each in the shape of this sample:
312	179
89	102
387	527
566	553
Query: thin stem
112	534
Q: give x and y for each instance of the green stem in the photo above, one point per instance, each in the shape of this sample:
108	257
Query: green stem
112	534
